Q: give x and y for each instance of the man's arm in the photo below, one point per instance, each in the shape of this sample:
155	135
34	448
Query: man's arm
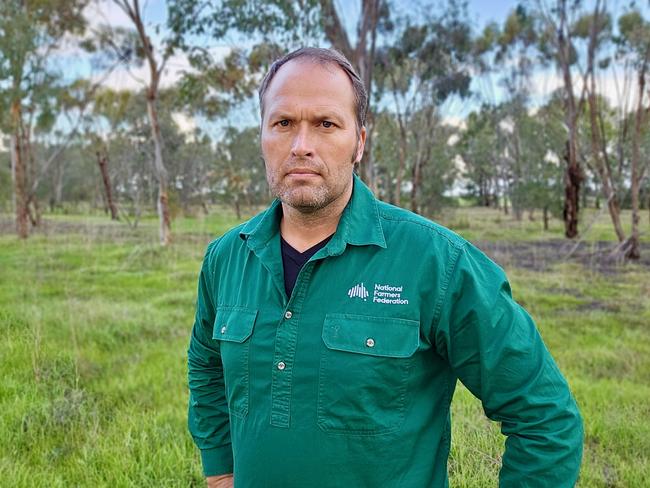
495	349
208	418
225	481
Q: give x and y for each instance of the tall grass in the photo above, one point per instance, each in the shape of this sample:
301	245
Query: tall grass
95	319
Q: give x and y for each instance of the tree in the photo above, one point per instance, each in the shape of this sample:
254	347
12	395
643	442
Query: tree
479	148
240	167
156	66
291	24
426	64
30	31
557	43
635	42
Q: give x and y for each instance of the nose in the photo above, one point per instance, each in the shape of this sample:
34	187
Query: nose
302	145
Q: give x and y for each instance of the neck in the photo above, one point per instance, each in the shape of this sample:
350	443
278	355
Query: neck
303	230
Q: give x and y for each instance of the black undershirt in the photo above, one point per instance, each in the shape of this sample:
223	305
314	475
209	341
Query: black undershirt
293	261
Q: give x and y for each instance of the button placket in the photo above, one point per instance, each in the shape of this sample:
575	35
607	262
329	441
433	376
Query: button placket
285	351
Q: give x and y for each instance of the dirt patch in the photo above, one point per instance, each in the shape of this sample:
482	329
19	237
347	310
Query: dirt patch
541	255
533	255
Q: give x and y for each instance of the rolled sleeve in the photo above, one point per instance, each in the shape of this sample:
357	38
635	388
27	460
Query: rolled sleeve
495	349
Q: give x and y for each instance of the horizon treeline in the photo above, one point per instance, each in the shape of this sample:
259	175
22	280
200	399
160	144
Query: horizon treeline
546	109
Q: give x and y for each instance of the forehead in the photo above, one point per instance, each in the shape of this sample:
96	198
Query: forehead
303	83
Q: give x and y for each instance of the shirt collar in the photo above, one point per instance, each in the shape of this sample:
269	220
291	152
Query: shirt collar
360	224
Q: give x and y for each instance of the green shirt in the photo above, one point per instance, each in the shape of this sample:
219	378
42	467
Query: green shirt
348	382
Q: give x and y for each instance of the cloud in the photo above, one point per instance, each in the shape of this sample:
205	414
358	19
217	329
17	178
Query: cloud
454	121
619	89
105	12
136	78
186	124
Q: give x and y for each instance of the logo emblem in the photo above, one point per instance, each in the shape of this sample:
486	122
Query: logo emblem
358	291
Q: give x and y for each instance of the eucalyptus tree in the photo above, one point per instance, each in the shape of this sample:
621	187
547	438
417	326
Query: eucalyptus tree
480	151
109	111
558	44
277	26
156	63
634	44
30	32
596	28
242	177
424	64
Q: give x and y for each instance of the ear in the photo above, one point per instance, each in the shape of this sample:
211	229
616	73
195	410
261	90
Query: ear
361	144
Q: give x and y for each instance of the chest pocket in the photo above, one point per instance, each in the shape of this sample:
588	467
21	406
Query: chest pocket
364	371
233	327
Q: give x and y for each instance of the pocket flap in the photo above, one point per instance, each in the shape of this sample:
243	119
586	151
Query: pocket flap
233	324
374	336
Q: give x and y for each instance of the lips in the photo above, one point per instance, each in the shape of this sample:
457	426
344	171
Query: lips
302	172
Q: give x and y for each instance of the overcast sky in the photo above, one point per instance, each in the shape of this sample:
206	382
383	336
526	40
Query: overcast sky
154	12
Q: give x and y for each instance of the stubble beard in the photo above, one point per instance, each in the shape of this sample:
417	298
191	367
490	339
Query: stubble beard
308	198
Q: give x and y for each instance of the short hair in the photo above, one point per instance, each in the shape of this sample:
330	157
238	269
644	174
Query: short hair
324	57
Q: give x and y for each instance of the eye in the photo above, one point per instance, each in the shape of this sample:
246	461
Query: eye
327	124
283	123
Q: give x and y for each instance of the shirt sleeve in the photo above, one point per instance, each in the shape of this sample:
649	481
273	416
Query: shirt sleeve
494	348
208	418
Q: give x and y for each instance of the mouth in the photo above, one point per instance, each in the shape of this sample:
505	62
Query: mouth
302	173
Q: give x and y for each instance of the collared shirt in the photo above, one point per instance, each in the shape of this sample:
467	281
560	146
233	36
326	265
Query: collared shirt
348	381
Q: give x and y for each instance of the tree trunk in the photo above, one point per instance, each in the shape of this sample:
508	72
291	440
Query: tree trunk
18	173
102	160
133	11
633	251
237	207
161	173
573	174
402	163
604	173
598	145
572	180
415	187
546	217
57	198
33	207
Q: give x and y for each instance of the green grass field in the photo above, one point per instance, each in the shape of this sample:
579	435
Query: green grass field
95	319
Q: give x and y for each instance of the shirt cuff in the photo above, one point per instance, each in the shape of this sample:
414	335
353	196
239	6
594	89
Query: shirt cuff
217	461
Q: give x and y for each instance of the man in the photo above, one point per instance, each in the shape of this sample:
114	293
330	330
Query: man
331	328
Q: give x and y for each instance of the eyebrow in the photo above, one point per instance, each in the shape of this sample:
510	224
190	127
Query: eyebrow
318	115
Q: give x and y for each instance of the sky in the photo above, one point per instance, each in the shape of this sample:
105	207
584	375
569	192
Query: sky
154	11
454	111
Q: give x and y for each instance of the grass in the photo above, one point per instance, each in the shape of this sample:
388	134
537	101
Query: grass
488	224
94	325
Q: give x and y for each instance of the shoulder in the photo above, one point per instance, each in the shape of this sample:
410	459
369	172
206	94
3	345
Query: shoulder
400	223
232	238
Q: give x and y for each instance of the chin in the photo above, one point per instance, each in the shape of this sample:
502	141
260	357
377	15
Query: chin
306	200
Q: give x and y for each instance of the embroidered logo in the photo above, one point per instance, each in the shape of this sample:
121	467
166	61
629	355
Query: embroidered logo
389	295
386	294
358	291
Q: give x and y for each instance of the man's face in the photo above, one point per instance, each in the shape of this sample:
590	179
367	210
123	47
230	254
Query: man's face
309	136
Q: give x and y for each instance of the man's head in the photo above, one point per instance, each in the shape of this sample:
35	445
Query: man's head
313	108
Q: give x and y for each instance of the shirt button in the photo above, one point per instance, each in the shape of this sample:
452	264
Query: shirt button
288	314
223	329
281	365
370	342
